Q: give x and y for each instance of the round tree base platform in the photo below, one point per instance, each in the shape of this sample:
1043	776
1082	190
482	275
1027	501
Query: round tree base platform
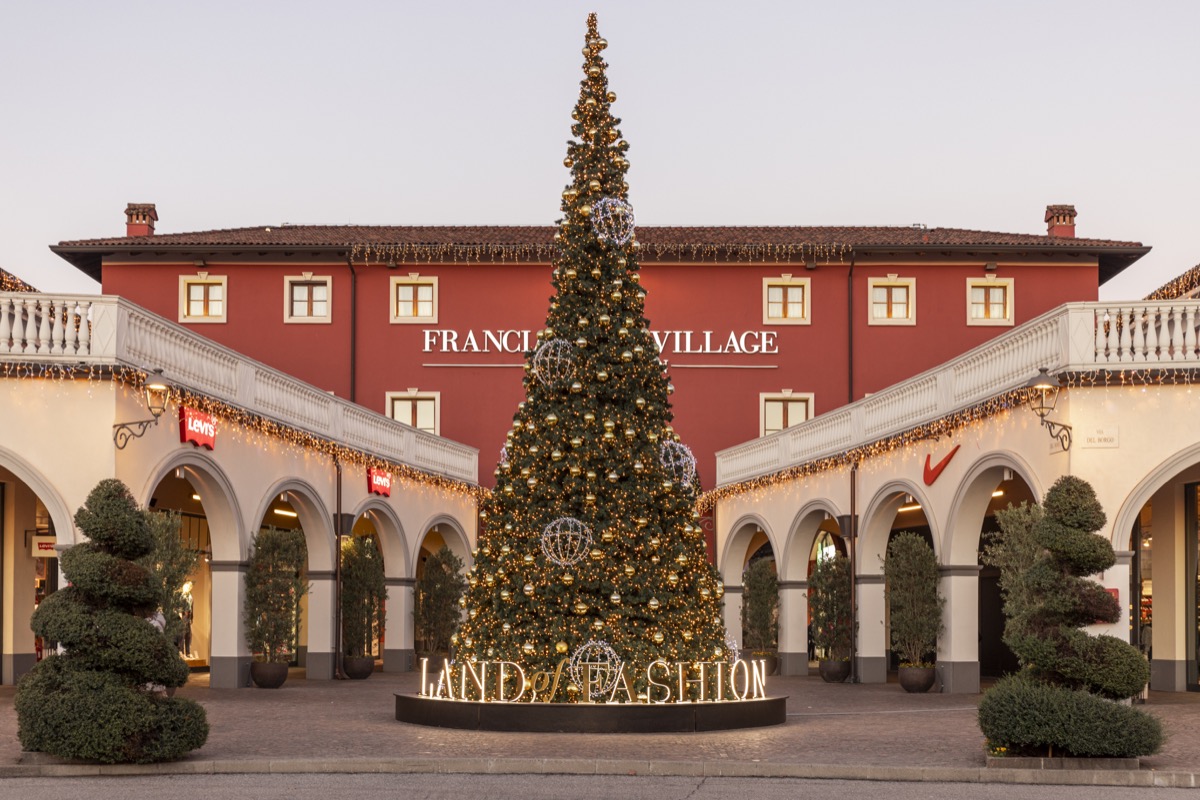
591	718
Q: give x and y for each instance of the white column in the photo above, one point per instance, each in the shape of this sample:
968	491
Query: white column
958	646
229	661
320	661
871	663
398	632
793	628
733	613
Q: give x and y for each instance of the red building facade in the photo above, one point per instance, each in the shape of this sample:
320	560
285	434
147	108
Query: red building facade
761	327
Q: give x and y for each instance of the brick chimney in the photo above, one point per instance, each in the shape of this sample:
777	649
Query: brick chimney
140	219
1060	222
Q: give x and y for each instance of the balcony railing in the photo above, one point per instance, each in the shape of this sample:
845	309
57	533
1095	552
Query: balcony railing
1077	337
111	331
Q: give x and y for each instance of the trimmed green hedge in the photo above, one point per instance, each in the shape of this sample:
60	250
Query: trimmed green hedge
103	699
1035	719
98	717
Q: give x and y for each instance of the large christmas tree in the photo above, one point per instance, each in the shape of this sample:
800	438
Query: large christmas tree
590	547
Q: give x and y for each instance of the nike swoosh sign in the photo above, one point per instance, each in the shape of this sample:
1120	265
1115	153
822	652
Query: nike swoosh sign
932	473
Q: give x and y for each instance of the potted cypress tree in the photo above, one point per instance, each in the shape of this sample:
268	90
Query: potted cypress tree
363	595
436	606
832	623
915	608
275	583
760	612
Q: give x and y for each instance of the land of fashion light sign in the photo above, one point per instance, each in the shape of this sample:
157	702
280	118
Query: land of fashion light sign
660	682
445	340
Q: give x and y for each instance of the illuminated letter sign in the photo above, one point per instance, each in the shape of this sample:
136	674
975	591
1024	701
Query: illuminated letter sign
197	427
379	481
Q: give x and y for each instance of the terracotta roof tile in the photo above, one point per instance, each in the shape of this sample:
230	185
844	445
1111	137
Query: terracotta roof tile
518	235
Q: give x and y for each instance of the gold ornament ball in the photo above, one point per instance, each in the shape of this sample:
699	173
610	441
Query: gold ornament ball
585	211
581	342
654	604
654	559
575	470
561	647
591	101
593	71
505	550
626	356
597	554
528	590
615	598
473	613
602	376
454	639
508	489
612	97
532	482
640	402
568	579
687	636
556	455
594	185
605	319
658	637
609	424
489	580
581	607
705	592
596	273
462	601
570	273
630	434
582	322
591	476
504	594
589	498
551	418
528	559
598	624
491	652
568	163
629	569
638	466
576	387
673	579
623	332
613	477
506	627
607	535
527	648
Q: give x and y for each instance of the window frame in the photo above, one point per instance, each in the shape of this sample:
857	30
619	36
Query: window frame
416	394
784	396
889	282
206	279
289	281
993	282
412	279
785	281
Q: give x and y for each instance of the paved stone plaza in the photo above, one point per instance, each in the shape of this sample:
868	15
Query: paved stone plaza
869	731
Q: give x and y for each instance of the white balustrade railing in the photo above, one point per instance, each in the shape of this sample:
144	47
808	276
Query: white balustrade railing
1077	337
93	329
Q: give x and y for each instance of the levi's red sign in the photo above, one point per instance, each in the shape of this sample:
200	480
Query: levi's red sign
197	427
379	482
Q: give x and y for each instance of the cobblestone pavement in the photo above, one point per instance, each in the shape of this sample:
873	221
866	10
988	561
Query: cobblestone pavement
828	724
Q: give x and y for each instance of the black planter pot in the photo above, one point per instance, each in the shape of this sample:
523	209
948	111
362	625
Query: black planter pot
834	671
916	680
358	668
771	659
268	674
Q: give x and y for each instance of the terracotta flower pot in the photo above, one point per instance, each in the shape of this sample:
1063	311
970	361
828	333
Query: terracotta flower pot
358	667
834	671
268	674
917	679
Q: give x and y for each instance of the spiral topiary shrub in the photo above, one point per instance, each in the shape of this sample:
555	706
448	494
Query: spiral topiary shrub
1063	701
104	698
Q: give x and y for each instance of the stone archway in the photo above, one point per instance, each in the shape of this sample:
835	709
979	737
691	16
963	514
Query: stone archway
398	644
193	484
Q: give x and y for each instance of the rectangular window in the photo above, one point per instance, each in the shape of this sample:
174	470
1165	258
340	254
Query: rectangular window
308	298
414	299
785	300
202	298
780	411
989	301
892	301
420	410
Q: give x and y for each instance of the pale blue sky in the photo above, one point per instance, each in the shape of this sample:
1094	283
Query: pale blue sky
957	114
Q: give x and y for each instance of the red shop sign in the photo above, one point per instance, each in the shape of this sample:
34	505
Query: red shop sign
379	481
197	427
